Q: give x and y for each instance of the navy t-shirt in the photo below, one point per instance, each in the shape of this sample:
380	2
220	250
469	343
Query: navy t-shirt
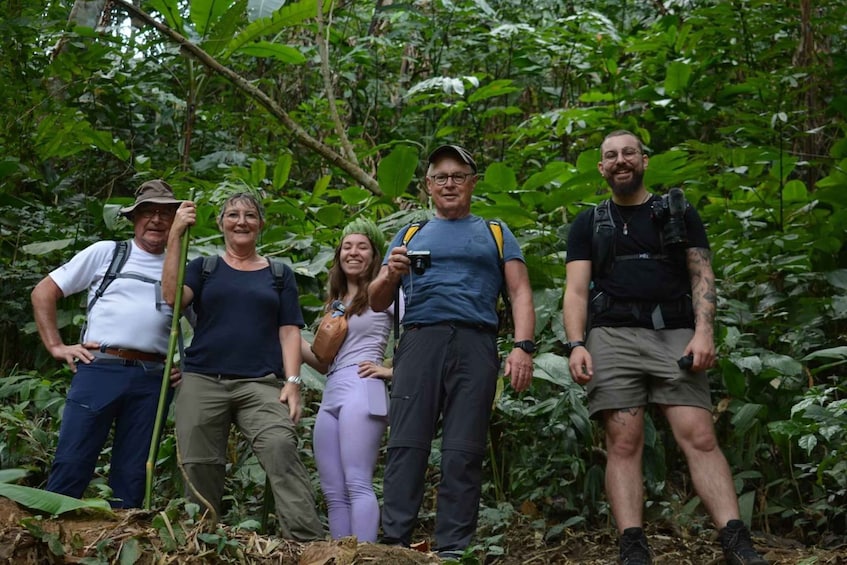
239	314
464	281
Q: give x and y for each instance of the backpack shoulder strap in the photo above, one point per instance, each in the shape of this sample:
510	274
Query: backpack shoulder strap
209	264
119	257
602	240
278	272
411	230
495	227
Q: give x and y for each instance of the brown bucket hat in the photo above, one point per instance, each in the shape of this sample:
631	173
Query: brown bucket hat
152	192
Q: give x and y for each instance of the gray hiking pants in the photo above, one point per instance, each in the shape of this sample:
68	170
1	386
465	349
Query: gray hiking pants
206	406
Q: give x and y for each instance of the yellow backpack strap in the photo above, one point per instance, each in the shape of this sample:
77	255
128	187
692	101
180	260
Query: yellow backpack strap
496	229
497	233
413	228
410	232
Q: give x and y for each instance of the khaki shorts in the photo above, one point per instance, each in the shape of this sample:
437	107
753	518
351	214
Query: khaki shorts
637	366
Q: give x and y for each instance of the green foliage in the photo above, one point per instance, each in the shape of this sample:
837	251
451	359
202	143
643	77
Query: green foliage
49	502
758	144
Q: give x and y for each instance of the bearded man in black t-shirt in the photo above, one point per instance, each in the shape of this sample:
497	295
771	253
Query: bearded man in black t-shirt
639	310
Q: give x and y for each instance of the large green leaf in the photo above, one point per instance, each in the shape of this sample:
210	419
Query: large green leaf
553	368
498	177
12	475
555	171
831	353
492	89
281	170
677	77
45	247
395	171
746	417
289	15
283	53
222	30
170	11
206	13
263	8
50	502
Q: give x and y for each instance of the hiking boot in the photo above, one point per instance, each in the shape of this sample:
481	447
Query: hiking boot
634	548
737	545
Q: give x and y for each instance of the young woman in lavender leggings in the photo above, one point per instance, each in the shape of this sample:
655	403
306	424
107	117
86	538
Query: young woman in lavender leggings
351	423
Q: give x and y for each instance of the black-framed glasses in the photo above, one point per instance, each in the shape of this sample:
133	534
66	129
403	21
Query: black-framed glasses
165	213
458	178
628	153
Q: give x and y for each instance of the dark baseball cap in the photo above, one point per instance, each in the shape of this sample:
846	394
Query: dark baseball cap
456	151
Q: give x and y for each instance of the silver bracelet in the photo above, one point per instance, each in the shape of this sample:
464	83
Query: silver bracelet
294	379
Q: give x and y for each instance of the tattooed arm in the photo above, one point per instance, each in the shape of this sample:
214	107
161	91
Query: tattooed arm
704	301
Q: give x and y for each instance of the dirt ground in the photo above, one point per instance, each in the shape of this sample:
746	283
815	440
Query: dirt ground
129	537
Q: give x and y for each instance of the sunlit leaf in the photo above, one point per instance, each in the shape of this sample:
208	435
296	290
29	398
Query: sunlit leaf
44	247
170	11
289	15
50	502
12	475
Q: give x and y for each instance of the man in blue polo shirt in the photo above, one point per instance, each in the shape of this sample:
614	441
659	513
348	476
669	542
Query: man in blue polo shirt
446	364
119	361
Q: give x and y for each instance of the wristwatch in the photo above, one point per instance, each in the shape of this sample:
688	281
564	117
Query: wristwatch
294	379
527	345
571	345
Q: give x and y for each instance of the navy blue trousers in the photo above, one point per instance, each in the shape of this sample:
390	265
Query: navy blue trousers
102	393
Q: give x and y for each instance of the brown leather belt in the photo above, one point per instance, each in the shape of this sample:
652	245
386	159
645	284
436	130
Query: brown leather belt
133	354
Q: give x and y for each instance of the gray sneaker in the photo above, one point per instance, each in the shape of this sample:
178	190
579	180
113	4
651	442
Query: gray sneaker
737	545
634	548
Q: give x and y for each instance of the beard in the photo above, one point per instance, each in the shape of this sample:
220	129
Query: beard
626	188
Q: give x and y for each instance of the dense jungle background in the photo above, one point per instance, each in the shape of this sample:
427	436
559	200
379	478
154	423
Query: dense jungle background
327	109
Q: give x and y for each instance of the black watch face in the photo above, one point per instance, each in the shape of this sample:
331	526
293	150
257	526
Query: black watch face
527	346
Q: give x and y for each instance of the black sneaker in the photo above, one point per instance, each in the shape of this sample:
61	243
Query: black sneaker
634	548
737	545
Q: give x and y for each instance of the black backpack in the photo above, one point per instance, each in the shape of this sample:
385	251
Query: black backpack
113	272
277	270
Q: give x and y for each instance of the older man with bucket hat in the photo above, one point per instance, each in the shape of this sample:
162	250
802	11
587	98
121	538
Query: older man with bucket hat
120	356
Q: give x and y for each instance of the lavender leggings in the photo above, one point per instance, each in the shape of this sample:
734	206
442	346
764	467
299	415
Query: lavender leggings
347	440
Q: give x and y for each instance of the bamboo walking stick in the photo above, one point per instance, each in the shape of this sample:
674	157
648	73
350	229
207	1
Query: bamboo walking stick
166	375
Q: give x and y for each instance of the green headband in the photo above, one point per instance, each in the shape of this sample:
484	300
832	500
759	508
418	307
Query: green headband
368	229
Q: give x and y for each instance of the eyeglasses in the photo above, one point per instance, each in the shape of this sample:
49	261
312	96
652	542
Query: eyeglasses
628	153
234	216
458	178
164	213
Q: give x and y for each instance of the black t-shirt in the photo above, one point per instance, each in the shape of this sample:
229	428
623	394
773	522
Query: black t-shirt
649	281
